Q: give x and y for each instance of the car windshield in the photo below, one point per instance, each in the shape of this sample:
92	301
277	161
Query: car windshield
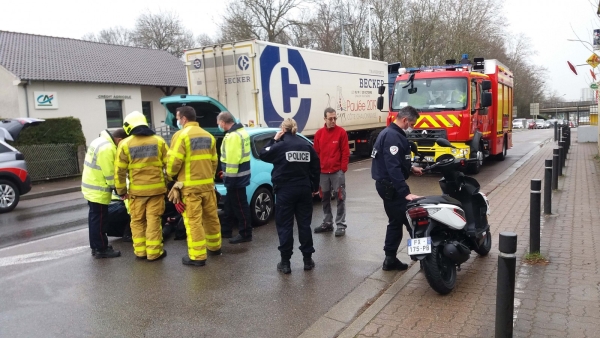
539	121
432	94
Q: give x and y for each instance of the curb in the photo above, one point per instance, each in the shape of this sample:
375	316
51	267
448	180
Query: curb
326	326
50	193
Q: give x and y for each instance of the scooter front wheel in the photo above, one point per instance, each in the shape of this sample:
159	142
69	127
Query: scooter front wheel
440	271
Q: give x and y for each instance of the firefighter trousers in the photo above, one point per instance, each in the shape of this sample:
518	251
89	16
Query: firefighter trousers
202	224
146	229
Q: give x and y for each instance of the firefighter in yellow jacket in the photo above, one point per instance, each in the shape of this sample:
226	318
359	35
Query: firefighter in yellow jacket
97	183
141	158
193	160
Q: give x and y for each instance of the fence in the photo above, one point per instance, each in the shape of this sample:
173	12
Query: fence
47	161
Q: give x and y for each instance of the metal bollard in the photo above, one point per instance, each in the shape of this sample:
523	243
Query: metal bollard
563	144
560	156
548	187
535	205
555	165
505	286
555	132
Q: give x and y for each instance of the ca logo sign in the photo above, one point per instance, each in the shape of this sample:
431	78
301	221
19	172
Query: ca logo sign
45	100
280	81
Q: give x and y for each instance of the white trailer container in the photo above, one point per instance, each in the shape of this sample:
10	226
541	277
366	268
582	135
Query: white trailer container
262	83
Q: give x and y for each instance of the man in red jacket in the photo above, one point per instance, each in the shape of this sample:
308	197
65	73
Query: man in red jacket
331	144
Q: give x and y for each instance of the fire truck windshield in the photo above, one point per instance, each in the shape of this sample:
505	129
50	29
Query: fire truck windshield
432	94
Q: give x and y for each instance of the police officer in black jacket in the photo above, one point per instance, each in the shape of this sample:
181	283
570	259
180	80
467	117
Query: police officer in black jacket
390	169
295	176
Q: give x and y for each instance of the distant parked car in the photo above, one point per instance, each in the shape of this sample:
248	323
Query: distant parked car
519	123
530	124
572	124
540	124
14	178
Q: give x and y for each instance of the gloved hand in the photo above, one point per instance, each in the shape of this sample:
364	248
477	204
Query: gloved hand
180	207
175	194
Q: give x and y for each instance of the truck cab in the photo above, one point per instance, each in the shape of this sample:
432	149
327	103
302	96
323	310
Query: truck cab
456	102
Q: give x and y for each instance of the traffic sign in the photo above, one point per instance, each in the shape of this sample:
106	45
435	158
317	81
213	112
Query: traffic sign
593	60
534	109
594	86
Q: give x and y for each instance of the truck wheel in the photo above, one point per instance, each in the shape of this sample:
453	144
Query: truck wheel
502	155
9	196
261	206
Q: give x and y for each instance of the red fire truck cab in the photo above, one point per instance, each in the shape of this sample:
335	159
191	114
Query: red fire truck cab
470	105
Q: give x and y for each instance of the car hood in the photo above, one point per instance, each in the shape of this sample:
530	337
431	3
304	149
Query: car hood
11	128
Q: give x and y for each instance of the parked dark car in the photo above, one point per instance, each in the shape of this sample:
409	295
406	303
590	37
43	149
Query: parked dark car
14	178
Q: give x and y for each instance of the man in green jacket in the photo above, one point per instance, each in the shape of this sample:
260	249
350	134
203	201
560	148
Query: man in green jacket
97	184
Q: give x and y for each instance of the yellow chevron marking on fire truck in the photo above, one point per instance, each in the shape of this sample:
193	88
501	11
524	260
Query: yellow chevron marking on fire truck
424	125
432	120
455	120
444	121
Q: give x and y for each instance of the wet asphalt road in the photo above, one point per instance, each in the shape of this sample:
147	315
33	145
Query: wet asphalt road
54	288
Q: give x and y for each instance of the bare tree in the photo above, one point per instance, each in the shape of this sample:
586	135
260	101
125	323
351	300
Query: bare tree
115	35
262	19
163	31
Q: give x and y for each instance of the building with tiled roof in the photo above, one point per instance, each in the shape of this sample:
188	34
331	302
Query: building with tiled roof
45	77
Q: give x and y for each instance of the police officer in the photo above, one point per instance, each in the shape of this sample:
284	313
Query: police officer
390	169
295	177
142	158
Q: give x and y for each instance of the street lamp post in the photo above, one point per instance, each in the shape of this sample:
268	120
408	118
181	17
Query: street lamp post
370	41
556	105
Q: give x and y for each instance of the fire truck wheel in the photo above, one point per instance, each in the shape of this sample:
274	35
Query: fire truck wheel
502	155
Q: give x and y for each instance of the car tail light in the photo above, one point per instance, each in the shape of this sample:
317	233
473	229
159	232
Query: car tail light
19	157
416	213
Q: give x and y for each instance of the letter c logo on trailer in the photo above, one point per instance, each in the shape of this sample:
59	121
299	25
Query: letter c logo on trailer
269	60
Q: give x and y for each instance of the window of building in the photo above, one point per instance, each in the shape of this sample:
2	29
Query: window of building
147	111
114	113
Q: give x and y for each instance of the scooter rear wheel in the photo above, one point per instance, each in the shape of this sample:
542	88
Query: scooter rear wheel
439	271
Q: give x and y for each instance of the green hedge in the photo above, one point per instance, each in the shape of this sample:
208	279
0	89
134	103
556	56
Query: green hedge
53	131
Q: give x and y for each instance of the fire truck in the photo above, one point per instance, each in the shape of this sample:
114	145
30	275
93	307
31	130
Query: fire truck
468	103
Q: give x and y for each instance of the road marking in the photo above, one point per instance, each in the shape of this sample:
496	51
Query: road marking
361	169
41	256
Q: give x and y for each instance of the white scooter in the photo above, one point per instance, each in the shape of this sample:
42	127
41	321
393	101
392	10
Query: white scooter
446	228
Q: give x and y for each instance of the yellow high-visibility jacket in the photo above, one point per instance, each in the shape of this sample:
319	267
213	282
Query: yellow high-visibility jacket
98	180
235	157
142	159
193	158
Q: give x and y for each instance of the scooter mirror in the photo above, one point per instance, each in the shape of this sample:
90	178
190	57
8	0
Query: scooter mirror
442	142
413	148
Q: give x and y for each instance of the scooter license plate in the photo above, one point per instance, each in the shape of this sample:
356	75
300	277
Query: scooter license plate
419	246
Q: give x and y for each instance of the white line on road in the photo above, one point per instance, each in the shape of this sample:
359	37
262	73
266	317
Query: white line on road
41	256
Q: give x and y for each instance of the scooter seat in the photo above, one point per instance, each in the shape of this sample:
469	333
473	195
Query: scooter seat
435	200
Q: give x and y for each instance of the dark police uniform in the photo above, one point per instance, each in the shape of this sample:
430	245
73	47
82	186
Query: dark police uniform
295	176
390	169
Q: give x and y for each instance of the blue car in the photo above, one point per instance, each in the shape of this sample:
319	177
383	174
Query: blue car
260	190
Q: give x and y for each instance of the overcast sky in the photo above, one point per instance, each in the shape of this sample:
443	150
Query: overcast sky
548	23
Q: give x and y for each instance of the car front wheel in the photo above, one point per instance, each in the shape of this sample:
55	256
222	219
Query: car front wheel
9	196
261	206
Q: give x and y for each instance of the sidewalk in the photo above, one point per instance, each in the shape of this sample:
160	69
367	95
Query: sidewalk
559	299
52	188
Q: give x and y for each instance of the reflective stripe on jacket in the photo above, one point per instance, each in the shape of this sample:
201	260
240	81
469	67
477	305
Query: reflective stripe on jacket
141	159
97	179
235	157
193	158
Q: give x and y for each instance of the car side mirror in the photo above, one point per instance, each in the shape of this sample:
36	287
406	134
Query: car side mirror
380	103
486	99
486	85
